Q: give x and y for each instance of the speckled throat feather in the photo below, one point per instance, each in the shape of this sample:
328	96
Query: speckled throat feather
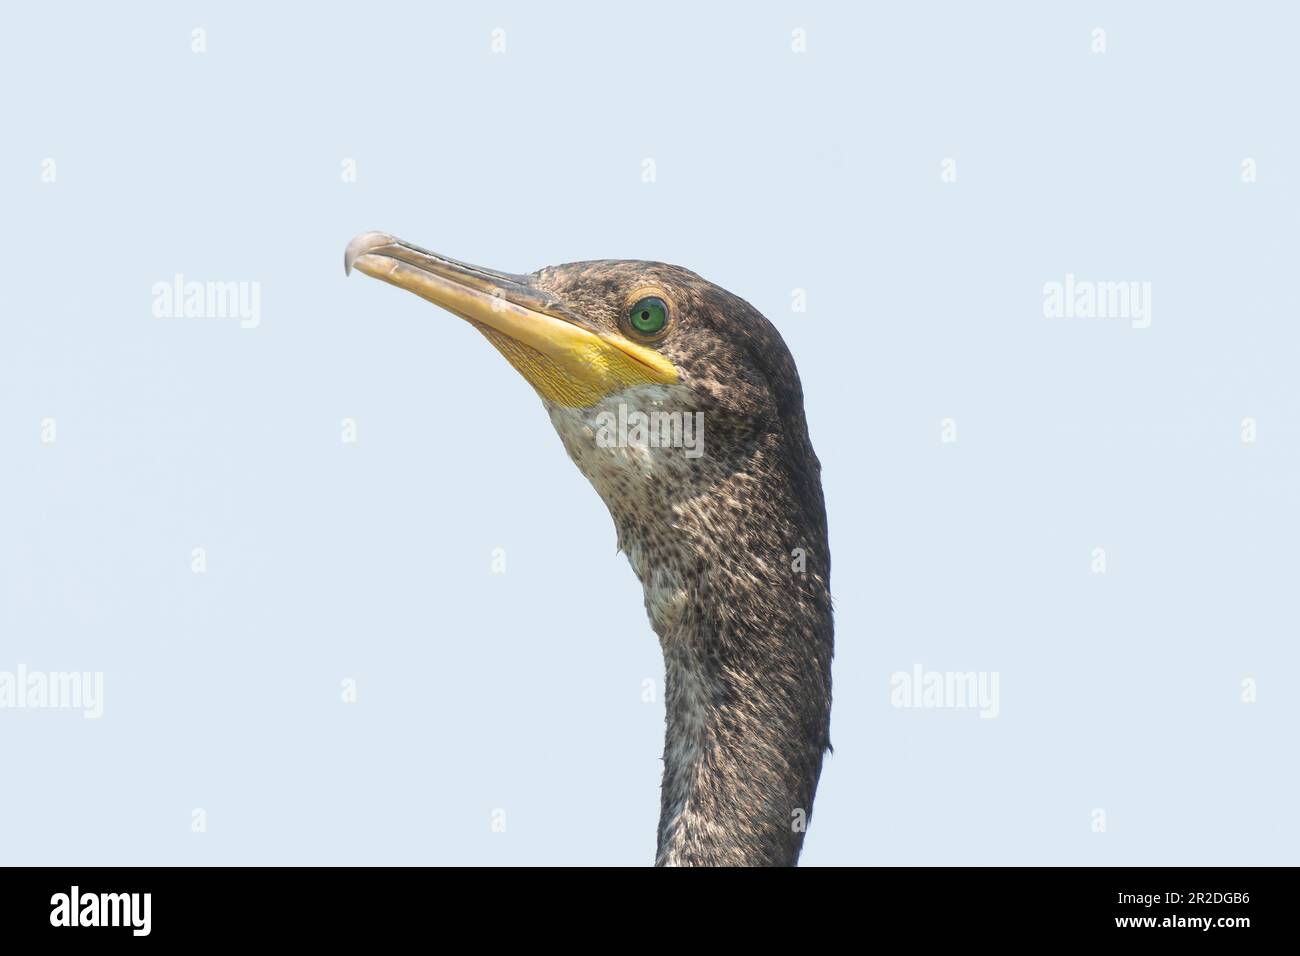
731	550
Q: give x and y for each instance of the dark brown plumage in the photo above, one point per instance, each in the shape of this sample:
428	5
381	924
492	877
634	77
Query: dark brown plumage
730	545
748	653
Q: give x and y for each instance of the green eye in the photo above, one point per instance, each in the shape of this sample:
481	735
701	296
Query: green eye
649	315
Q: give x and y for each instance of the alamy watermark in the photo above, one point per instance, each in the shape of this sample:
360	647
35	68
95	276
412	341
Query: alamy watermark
945	690
188	299
637	429
1092	299
129	910
53	690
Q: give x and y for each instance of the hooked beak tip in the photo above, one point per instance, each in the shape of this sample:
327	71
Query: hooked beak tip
362	244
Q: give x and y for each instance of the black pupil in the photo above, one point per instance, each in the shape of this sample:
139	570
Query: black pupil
645	315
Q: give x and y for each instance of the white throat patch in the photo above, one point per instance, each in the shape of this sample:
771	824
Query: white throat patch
620	462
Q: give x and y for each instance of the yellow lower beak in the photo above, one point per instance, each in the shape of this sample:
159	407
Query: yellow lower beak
569	362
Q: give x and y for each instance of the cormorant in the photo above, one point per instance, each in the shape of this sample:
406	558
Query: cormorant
730	545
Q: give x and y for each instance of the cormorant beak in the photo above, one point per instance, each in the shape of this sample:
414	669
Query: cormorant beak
568	360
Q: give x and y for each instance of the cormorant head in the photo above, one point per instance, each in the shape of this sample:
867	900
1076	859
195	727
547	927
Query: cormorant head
603	340
723	522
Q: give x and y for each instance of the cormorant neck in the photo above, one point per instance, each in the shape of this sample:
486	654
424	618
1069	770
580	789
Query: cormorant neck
741	761
732	553
738	594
